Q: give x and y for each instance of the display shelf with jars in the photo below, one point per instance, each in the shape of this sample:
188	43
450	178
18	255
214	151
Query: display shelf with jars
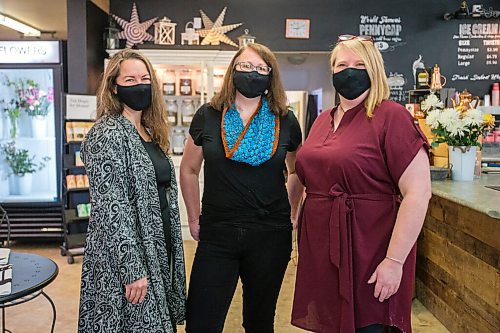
185	89
188	78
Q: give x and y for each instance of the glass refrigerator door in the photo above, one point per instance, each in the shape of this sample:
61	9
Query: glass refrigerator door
28	171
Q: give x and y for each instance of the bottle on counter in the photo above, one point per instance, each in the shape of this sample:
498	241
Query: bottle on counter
422	78
495	94
487	100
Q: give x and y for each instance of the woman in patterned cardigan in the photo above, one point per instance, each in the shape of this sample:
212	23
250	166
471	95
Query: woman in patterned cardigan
133	276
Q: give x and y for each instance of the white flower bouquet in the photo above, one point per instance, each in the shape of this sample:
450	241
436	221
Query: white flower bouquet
458	128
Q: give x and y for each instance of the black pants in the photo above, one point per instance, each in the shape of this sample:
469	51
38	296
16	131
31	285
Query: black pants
376	328
224	254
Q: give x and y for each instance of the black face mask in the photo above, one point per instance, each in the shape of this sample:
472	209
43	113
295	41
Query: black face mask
351	83
251	84
136	97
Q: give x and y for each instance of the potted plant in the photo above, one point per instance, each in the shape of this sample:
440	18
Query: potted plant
22	166
461	131
13	111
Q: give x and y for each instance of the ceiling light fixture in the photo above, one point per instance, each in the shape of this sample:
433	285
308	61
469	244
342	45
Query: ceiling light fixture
19	26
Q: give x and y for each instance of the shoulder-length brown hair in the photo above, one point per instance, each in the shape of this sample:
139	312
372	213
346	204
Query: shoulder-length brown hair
153	118
275	95
374	64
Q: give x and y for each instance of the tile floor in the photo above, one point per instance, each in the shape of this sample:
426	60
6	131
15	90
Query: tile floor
35	316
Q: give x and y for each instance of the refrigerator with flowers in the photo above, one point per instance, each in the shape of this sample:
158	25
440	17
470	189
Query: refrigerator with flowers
31	85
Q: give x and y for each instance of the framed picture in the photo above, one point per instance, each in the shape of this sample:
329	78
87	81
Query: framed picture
297	28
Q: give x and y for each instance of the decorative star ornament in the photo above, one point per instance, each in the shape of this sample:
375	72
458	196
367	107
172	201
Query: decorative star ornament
214	32
134	31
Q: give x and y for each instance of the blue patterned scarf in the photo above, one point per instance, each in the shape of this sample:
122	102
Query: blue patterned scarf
254	143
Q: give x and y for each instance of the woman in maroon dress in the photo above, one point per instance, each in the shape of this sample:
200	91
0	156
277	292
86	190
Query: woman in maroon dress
366	172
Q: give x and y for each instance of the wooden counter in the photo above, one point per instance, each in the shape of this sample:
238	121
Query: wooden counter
458	277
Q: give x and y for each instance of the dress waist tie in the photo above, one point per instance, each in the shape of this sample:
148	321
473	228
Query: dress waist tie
341	214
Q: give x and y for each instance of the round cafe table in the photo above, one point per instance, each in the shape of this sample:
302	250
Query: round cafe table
30	274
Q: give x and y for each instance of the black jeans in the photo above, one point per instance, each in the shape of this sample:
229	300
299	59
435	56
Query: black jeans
224	254
376	328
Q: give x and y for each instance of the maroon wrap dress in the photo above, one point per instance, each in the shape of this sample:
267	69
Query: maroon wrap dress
351	178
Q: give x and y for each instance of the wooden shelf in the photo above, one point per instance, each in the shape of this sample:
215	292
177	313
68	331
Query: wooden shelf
72	167
77	189
70	216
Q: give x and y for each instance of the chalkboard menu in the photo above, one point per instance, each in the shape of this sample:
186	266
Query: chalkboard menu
467	50
478	45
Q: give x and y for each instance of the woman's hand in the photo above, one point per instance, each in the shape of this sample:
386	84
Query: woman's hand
194	229
136	291
387	277
295	221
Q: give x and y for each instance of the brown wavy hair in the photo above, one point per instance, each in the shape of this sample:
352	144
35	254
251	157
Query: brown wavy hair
275	95
153	118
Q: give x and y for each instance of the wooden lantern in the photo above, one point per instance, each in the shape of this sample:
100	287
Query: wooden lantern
190	36
246	39
165	32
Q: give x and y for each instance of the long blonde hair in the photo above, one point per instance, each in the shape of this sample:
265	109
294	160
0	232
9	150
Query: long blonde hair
153	118
379	89
275	96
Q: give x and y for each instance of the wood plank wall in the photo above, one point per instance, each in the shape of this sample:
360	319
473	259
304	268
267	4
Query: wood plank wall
458	277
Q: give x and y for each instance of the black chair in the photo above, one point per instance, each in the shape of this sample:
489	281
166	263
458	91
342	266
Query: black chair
5	218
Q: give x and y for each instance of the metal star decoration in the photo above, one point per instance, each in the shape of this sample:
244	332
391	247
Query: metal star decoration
134	31
214	32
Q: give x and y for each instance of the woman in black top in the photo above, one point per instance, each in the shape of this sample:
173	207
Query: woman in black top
244	136
161	164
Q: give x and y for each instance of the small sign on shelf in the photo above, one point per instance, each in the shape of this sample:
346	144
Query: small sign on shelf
81	107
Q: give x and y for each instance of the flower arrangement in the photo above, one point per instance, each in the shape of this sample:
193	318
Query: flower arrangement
13	110
34	101
457	128
431	102
20	161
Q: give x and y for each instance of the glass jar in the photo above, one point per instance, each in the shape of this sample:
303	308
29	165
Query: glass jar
169	83
185	83
178	140
187	111
172	108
